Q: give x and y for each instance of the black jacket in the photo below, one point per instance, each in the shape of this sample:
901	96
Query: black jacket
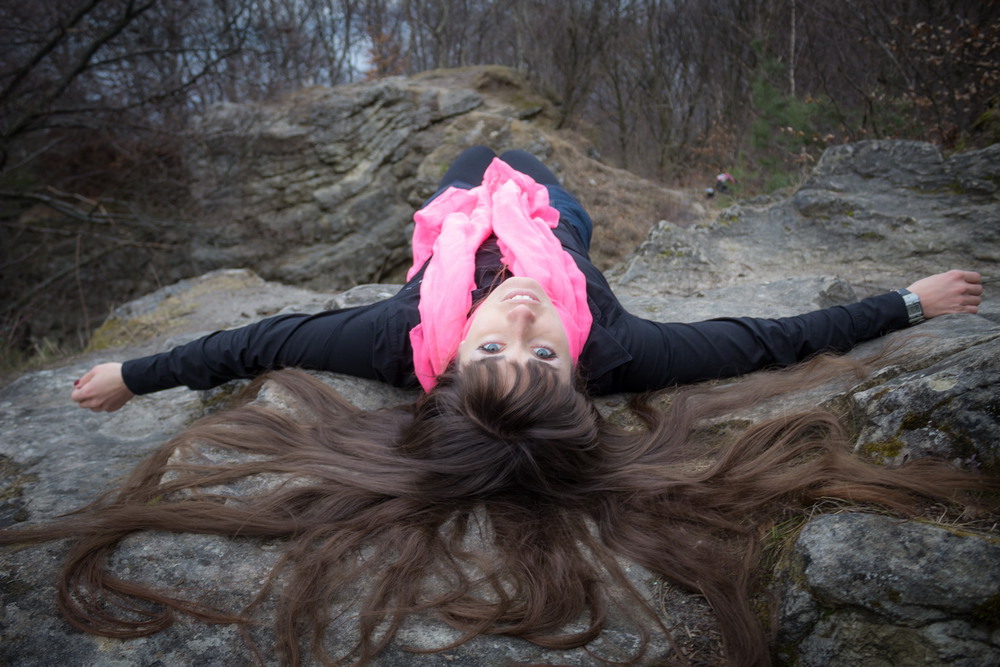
622	353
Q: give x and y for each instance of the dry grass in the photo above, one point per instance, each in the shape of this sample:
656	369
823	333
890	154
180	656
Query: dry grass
624	207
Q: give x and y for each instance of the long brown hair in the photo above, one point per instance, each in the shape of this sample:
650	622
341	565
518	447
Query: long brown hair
512	494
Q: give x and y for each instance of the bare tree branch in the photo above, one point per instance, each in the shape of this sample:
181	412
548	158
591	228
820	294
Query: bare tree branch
91	211
82	62
48	47
40	288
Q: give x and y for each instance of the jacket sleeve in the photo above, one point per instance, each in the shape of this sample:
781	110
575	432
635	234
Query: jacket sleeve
342	341
665	354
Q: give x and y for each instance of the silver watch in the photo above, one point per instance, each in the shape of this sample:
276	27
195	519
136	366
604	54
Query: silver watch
913	308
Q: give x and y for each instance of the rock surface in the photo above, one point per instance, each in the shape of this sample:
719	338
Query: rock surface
853	588
875	213
319	188
894	593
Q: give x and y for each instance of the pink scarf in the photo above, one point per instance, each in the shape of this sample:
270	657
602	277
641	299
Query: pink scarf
449	231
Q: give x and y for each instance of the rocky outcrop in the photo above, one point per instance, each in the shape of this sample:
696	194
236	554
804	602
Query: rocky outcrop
314	189
863	589
851	587
876	213
319	188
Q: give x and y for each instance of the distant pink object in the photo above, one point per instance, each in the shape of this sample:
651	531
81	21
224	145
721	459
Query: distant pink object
449	230
723	177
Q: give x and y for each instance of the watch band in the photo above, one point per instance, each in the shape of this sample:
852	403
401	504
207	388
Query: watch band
914	311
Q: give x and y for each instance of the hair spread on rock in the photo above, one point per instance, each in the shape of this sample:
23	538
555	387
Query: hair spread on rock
501	505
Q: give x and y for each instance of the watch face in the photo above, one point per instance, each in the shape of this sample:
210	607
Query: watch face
914	311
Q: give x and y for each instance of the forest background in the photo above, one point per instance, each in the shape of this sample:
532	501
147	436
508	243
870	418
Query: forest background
97	96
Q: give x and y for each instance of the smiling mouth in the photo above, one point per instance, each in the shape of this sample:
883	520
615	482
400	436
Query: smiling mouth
521	297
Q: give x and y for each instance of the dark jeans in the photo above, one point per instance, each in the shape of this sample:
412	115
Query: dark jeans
468	168
472	163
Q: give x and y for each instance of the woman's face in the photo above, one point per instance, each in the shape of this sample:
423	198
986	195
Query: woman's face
518	323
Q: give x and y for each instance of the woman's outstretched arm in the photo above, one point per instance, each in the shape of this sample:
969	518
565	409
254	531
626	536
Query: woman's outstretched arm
666	354
366	341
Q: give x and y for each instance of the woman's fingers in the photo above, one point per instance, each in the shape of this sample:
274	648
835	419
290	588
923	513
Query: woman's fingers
102	389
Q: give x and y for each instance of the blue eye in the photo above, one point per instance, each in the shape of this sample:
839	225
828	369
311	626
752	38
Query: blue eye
491	348
544	353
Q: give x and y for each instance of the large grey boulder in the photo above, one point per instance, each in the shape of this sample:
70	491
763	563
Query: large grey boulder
865	589
876	213
852	588
319	188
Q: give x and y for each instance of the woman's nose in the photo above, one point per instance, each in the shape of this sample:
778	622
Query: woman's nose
521	316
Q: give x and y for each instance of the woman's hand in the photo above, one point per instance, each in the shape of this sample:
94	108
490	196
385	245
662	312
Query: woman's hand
950	292
102	389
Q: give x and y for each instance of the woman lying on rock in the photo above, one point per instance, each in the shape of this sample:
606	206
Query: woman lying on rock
508	328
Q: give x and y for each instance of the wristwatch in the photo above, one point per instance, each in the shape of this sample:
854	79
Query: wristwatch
913	309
